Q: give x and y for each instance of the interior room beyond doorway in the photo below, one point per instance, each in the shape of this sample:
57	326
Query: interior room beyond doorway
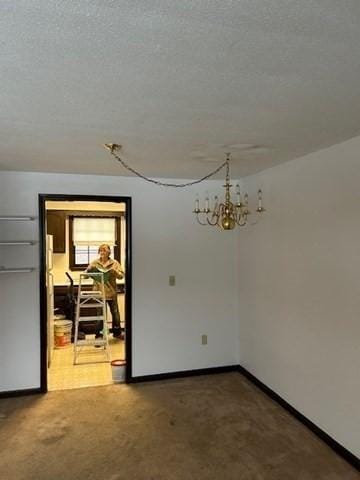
74	232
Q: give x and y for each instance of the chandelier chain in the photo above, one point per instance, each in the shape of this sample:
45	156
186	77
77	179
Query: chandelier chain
164	184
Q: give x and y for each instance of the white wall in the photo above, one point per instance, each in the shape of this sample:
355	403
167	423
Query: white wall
167	321
300	288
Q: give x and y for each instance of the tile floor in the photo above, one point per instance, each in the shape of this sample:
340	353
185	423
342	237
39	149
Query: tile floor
93	369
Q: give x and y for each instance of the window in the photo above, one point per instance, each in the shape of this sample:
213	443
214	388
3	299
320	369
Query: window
86	233
84	254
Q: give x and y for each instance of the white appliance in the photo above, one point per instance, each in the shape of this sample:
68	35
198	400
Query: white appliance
50	298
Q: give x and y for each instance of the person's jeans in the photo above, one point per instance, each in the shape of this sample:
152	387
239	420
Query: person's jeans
115	319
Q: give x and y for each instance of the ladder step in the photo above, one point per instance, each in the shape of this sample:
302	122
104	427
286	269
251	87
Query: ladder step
91	292
91	305
93	295
91	318
101	342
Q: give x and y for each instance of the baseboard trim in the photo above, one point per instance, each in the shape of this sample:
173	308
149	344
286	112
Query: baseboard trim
184	373
20	393
339	449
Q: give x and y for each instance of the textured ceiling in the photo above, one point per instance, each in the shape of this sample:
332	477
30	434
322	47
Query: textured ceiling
177	83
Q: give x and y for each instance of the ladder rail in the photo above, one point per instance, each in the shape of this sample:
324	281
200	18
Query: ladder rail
98	300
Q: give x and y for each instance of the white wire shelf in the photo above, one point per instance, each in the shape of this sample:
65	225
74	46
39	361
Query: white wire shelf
17	218
20	242
16	270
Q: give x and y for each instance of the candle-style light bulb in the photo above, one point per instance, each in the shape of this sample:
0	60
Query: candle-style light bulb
207	202
246	199
238	198
260	208
197	204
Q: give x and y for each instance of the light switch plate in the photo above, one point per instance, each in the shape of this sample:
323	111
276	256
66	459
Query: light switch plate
172	280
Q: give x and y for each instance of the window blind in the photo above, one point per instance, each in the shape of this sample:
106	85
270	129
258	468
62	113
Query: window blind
93	231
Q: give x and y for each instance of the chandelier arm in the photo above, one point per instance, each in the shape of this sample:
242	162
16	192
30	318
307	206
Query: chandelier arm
242	224
216	220
257	218
164	184
198	220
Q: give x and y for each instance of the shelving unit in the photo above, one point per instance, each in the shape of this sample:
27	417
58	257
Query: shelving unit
16	243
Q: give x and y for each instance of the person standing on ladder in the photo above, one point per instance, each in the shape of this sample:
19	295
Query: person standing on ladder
112	270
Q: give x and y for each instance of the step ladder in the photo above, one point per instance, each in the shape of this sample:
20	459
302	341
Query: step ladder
91	299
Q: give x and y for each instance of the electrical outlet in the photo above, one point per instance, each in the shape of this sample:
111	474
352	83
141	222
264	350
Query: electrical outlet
203	339
172	280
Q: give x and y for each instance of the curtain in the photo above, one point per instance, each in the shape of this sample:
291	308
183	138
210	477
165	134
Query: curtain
93	231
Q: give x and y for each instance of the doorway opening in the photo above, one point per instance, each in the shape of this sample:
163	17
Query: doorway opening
84	341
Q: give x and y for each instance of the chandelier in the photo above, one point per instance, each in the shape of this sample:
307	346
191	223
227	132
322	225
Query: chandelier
227	214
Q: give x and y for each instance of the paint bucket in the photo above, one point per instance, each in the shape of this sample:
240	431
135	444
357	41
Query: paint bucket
118	368
62	332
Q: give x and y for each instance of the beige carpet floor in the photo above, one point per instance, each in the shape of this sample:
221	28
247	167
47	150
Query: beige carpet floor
198	428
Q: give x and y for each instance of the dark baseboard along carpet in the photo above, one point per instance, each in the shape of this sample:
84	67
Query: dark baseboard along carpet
198	428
